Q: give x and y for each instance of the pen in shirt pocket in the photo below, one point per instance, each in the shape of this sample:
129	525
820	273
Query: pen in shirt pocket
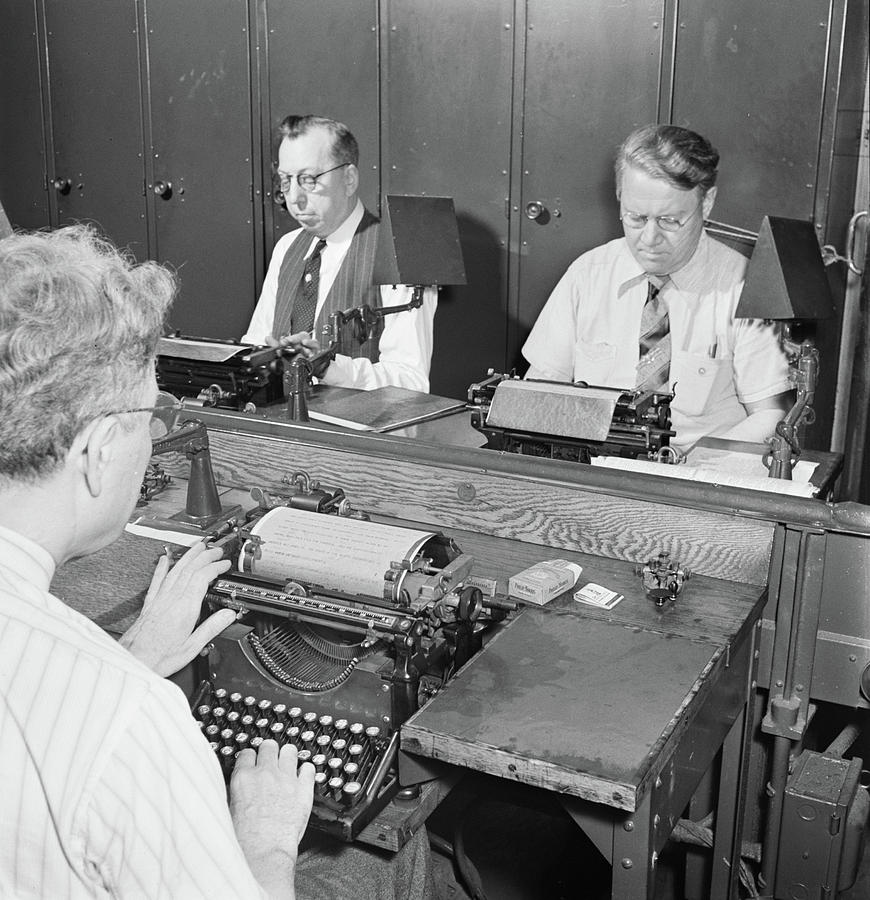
713	349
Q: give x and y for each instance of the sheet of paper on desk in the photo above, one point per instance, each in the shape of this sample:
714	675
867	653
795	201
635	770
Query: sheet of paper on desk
741	463
382	409
202	351
710	475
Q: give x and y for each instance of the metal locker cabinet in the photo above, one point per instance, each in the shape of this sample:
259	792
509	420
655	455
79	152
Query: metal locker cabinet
446	119
761	81
323	60
22	148
94	122
199	168
591	77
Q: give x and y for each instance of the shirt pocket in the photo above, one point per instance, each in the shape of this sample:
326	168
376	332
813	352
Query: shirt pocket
593	361
700	382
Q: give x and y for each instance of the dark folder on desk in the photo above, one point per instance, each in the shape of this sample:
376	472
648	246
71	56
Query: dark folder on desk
383	409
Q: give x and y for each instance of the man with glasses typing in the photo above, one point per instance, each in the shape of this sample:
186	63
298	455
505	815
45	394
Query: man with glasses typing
325	266
655	309
111	789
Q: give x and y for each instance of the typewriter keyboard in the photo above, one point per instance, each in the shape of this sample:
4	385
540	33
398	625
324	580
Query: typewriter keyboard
344	754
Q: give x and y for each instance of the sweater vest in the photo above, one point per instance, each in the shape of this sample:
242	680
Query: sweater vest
352	286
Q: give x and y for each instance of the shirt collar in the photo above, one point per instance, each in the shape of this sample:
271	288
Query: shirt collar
27	558
691	278
343	235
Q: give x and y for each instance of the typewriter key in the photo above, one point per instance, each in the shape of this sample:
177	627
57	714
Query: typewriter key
220	694
256	741
335	787
246	721
325	722
295	714
351	770
203	711
323	741
373	732
307	738
304	756
319	762
241	740
232	717
320	782
340	726
218	713
335	765
351	790
279	709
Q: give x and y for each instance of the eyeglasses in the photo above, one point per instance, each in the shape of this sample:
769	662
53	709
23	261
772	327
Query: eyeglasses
666	223
163	414
304	180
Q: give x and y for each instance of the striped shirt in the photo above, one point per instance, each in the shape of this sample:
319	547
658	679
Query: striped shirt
109	788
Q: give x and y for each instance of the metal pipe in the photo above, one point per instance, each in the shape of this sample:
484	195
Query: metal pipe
844	740
850	328
775	791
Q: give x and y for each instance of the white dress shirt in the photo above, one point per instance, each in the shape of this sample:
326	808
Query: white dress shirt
588	331
407	339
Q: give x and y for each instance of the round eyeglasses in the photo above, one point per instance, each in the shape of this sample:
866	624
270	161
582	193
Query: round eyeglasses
665	223
164	414
305	181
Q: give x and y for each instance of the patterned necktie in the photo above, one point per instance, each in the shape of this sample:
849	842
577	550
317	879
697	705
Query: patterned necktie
653	370
306	300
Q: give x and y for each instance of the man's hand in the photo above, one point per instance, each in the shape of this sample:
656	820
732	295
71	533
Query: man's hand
163	637
270	803
301	342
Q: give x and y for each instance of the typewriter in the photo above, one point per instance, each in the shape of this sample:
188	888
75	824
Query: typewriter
220	373
345	628
568	421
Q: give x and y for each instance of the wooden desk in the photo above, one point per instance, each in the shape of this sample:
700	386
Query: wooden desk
619	713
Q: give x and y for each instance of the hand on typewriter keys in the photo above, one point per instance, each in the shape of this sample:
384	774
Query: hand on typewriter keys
270	802
163	637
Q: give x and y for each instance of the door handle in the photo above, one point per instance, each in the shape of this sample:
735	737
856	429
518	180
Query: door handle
163	189
535	209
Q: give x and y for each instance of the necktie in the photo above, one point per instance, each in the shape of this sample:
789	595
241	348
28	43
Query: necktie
306	300
653	369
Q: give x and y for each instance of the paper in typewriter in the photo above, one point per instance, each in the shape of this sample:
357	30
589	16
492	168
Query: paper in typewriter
202	351
341	554
553	408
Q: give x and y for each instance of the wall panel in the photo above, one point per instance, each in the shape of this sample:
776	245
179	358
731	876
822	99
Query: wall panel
447	94
93	64
200	126
22	147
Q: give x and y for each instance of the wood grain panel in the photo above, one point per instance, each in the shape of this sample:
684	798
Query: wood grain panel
552	515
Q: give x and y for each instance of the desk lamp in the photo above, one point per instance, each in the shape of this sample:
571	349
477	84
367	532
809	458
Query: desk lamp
418	245
786	282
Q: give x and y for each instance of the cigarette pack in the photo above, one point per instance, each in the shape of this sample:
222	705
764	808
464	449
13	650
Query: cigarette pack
540	583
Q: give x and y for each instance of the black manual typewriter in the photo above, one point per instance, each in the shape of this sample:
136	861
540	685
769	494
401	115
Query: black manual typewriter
346	627
573	422
220	373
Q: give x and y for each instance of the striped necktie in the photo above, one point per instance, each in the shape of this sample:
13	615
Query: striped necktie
306	300
653	369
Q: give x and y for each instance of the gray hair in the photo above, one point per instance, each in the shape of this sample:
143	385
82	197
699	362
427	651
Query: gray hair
79	325
678	155
345	148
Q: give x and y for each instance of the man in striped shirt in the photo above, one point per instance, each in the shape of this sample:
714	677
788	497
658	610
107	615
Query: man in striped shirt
110	790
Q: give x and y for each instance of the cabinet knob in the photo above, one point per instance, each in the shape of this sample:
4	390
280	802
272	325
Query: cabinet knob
62	185
163	189
535	209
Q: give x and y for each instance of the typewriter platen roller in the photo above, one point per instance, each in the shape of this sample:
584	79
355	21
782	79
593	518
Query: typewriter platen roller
346	628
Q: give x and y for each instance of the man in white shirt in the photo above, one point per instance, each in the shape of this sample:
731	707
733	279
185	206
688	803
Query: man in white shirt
110	789
729	376
318	173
